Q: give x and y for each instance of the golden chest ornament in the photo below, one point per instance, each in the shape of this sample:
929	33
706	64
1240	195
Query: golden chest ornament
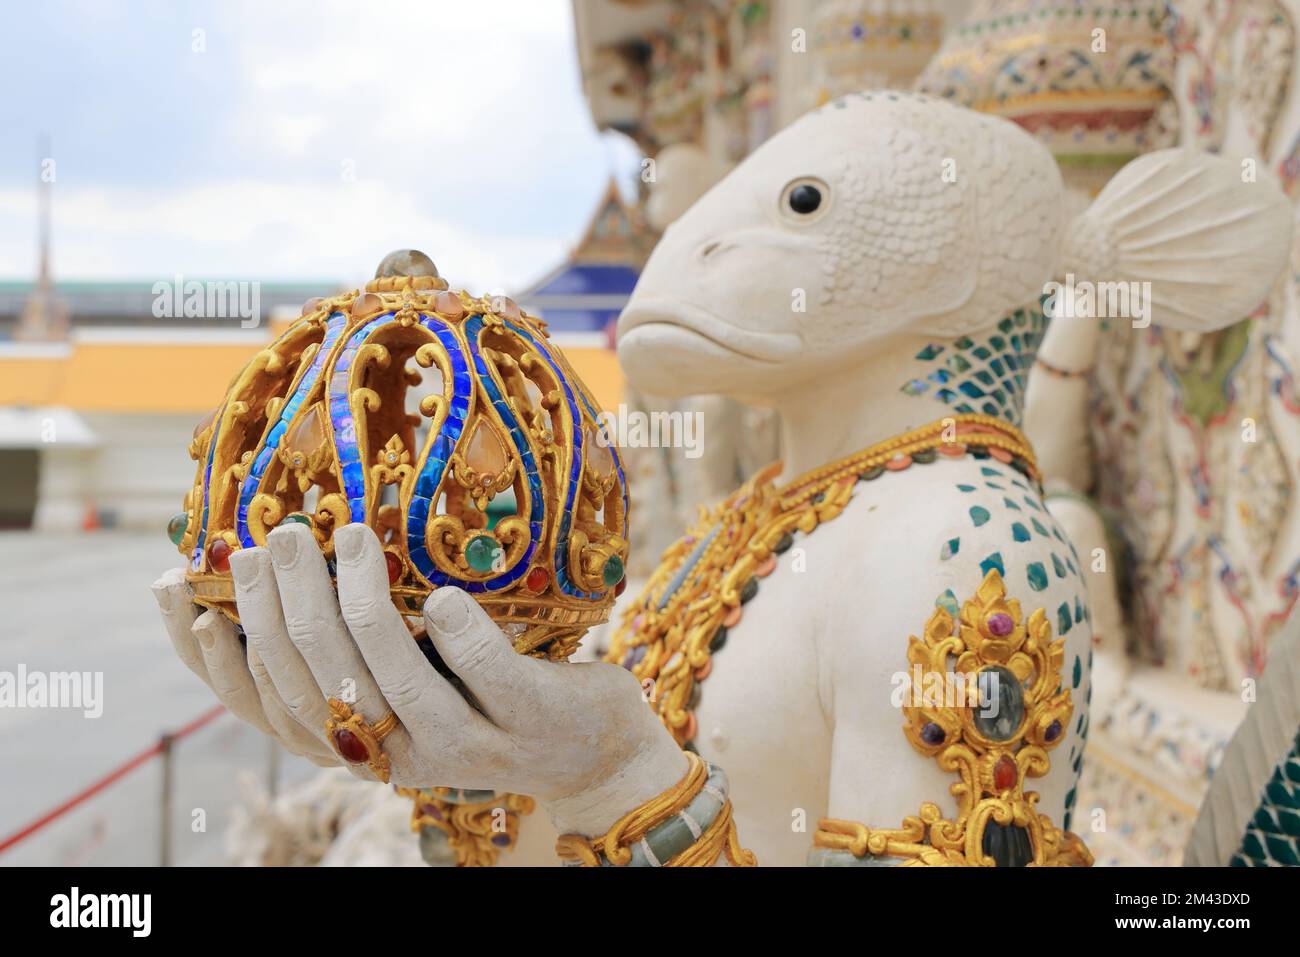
697	594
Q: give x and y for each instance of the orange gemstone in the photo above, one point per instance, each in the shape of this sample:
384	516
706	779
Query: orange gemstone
486	455
311	305
366	303
204	423
394	564
952	448
732	618
1002	455
898	462
767	567
537	579
306	436
219	556
447	303
704	671
504	306
692	726
1004	774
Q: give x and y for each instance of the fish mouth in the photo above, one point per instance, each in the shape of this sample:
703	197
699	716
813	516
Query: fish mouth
700	323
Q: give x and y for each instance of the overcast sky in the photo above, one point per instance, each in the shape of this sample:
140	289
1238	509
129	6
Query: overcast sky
295	140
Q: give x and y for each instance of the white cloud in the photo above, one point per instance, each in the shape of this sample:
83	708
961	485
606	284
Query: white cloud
463	124
265	229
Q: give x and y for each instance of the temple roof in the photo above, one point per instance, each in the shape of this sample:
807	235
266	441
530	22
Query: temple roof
585	294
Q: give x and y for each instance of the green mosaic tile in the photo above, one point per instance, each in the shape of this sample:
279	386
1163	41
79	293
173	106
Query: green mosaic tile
948	602
984	370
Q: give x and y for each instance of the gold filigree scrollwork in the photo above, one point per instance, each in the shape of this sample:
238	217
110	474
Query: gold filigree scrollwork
264	513
332	513
392	463
448	539
477	831
408	312
993	741
430	355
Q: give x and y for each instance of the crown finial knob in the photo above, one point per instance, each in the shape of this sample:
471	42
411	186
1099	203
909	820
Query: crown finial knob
406	262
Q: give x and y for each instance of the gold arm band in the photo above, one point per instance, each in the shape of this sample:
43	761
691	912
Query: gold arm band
616	844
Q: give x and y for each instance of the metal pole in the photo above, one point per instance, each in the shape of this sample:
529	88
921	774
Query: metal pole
165	812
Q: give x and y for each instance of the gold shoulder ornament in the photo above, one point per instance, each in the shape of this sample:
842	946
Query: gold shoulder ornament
994	740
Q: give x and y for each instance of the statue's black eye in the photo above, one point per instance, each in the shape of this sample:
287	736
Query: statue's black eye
805	198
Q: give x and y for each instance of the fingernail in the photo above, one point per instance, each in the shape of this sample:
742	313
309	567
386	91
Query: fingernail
349	544
283	543
447	609
162	595
245	566
204	631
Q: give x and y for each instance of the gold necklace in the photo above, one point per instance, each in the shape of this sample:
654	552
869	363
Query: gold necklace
696	596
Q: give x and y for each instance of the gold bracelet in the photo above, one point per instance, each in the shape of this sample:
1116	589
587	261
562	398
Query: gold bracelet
688	825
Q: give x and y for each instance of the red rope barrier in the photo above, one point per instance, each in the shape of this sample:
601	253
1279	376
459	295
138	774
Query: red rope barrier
119	772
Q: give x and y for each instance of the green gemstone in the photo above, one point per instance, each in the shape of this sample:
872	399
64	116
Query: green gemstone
482	552
298	517
719	639
176	527
613	572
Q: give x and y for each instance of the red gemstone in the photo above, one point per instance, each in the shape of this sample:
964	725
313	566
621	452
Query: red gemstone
394	567
350	746
620	587
219	556
1004	774
537	579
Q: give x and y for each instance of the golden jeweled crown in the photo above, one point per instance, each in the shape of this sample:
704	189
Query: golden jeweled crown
450	425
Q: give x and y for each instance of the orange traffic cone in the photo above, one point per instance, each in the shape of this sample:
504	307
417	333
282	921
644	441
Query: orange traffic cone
91	522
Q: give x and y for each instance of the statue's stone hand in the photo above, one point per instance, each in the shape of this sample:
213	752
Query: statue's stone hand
208	644
579	737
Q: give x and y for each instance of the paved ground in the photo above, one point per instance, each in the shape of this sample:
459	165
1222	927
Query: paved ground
82	603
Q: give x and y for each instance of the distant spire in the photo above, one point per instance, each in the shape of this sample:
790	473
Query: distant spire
43	212
45	317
